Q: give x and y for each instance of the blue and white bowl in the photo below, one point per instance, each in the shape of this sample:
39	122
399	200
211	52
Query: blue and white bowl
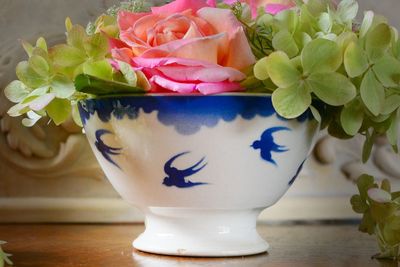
201	168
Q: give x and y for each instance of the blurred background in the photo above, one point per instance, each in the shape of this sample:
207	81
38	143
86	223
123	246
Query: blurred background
49	174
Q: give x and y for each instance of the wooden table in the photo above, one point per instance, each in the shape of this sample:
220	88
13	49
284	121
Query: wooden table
110	245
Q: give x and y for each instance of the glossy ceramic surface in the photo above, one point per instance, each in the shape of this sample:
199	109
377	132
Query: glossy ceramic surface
201	168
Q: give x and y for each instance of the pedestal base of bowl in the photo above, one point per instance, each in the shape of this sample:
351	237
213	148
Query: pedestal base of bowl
201	233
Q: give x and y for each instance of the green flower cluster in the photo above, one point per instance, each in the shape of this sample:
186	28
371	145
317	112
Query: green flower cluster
53	80
381	214
314	57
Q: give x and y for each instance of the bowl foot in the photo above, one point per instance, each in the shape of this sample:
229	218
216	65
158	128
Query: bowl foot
201	233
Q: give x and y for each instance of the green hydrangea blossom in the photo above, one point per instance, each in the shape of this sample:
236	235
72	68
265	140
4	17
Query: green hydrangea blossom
50	82
381	214
316	54
4	257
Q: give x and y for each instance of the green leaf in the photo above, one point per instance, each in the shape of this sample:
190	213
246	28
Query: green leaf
37	92
96	46
372	93
358	205
392	133
27	47
18	110
68	24
352	117
316	114
260	69
318	6
325	22
95	86
364	183
333	88
396	49
31	120
387	70
308	23
76	37
304	40
129	74
367	224
391	233
392	103
378	41
355	60
59	110
321	55
291	102
39	65
76	116
367	147
347	10
62	87
41	43
396	195
285	42
381	211
366	23
346	38
16	91
28	76
67	56
40	102
335	129
100	69
281	70
287	19
386	186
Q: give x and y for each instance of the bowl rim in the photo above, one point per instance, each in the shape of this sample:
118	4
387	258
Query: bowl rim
118	96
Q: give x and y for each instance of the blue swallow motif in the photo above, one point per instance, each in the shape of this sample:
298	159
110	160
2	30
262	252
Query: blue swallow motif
267	144
176	177
297	173
104	149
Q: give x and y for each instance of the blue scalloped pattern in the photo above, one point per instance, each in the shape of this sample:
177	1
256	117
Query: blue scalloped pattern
186	113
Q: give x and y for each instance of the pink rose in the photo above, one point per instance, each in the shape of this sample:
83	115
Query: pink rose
271	6
185	46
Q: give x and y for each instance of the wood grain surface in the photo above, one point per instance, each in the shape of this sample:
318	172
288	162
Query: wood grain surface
110	245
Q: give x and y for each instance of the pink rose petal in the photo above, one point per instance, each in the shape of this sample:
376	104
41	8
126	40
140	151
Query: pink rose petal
179	6
114	64
212	3
116	43
217	88
204	49
224	20
178	87
209	74
155	62
128	19
193	32
123	54
239	46
185	47
276	8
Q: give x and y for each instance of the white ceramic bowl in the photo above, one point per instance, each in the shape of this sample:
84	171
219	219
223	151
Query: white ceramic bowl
201	168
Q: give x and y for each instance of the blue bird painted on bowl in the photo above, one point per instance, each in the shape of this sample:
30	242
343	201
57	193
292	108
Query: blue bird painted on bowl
104	149
267	144
178	177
